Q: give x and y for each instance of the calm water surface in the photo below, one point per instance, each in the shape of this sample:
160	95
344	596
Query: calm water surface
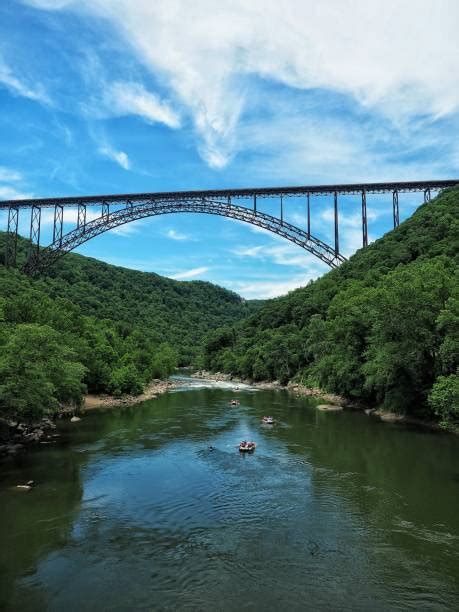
133	511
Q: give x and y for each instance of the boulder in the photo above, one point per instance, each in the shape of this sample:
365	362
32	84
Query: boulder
329	408
12	449
391	417
75	419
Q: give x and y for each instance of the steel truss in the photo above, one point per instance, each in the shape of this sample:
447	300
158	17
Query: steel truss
215	202
35	226
58	223
11	243
83	233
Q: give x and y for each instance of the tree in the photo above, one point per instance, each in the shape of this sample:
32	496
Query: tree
444	399
37	372
125	379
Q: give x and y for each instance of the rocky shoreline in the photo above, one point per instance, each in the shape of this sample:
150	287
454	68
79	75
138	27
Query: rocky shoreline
297	389
332	402
155	388
15	436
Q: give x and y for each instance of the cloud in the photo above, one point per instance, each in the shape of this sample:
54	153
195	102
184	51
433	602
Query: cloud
120	157
128	229
265	289
11	193
217	62
9	179
133	99
7	175
20	87
190	273
243	251
174	235
283	254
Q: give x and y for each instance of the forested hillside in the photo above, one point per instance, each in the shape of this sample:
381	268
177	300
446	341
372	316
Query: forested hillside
91	325
383	328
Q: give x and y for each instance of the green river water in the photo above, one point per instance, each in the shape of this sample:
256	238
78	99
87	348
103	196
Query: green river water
133	511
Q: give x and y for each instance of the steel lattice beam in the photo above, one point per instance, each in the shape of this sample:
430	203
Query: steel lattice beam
395	209
102	224
34	236
364	220
105	210
11	241
58	223
81	218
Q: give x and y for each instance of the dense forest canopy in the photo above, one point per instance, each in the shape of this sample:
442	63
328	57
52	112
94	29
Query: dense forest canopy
383	328
90	325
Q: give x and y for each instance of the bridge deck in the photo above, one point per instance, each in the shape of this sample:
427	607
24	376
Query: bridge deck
262	192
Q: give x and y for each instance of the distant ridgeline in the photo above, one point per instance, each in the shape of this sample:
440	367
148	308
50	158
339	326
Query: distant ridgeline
382	328
91	325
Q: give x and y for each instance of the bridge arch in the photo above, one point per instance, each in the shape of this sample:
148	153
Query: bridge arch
46	257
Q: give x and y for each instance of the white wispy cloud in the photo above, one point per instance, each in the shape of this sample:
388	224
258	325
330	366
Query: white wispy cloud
129	229
190	273
120	157
265	289
7	192
174	235
128	98
214	58
251	251
283	254
20	87
10	188
9	175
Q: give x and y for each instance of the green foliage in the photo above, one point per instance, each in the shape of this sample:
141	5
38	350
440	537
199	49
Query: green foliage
382	328
444	399
125	379
37	372
109	329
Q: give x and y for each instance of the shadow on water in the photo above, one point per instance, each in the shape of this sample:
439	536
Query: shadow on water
135	510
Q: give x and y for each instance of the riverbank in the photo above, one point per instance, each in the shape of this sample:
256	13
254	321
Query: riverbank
331	402
297	389
15	436
155	388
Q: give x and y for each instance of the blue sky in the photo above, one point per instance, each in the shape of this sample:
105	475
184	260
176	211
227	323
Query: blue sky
113	96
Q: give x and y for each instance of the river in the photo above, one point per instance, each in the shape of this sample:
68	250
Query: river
134	511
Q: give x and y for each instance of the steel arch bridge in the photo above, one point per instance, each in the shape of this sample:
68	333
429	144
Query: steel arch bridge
117	210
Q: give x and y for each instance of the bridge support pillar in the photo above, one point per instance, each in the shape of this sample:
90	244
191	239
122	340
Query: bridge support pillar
395	210
255	203
58	223
282	210
335	206
11	238
35	225
309	215
364	220
81	219
105	210
426	195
